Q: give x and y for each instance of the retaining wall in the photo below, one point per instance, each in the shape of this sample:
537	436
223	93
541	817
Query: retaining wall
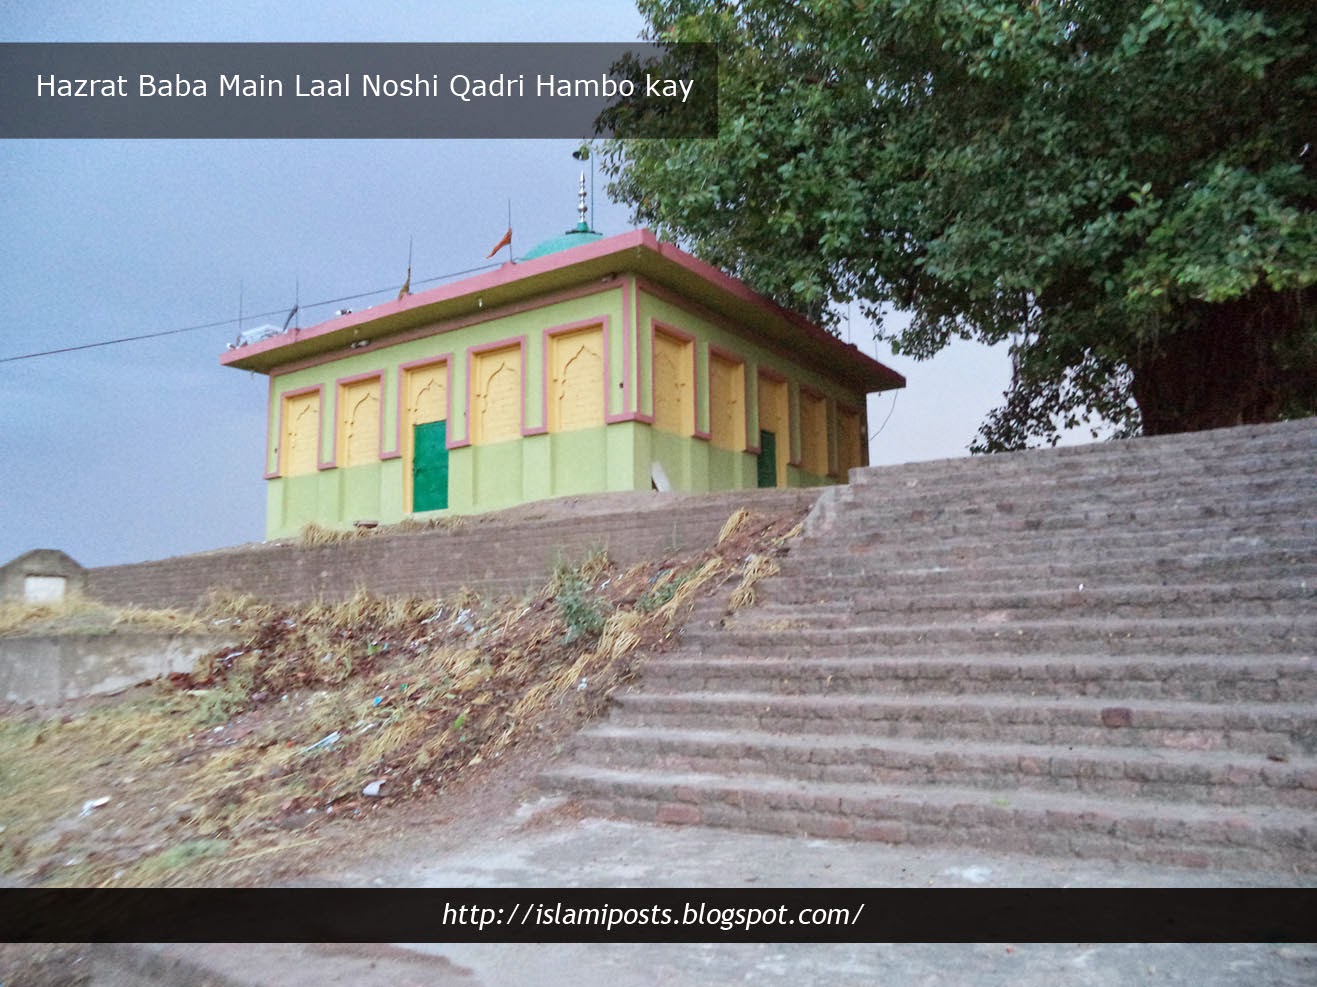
512	552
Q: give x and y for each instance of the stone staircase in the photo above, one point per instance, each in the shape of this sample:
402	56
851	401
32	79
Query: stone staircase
1103	651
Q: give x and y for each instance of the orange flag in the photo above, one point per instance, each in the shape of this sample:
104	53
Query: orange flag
507	240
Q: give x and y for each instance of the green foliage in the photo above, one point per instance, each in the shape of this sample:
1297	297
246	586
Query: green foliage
1121	192
580	608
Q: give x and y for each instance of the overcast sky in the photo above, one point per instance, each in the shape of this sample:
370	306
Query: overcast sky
149	449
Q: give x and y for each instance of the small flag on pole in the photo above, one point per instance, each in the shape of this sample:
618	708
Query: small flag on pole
505	242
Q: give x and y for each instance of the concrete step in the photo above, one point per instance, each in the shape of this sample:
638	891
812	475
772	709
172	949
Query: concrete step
1162	519
1132	489
1166	454
806	579
1221	778
891	546
1108	636
1281	729
1210	679
1248	599
1044	823
1133	481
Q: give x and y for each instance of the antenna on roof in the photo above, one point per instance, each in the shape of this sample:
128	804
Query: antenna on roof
406	288
297	303
238	339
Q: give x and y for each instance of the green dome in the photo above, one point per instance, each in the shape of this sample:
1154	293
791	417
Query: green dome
582	234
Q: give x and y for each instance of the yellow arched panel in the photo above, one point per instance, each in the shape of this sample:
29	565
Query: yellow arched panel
497	400
299	446
576	380
427	394
726	403
674	375
359	422
814	433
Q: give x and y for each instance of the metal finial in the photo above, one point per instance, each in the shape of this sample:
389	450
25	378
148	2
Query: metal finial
582	209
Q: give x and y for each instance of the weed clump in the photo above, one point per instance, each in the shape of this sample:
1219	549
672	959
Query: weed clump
579	606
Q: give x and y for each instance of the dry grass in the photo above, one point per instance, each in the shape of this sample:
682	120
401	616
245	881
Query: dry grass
453	522
314	535
212	775
757	568
78	615
739	517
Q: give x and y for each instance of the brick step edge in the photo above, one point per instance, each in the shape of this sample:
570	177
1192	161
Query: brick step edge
1224	678
1282	729
1208	777
802	578
1281	634
1036	823
1257	591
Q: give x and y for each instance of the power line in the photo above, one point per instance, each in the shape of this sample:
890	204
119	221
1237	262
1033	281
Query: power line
230	322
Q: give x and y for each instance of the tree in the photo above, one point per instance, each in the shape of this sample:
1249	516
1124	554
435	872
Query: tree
1121	191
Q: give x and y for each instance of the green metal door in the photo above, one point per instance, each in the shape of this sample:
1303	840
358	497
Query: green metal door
430	466
767	459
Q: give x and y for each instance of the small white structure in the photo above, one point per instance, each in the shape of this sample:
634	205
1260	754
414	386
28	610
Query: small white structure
44	575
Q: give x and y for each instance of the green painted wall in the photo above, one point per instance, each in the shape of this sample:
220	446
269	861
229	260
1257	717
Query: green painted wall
614	457
707	330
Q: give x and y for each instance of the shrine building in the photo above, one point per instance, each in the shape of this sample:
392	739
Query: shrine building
591	364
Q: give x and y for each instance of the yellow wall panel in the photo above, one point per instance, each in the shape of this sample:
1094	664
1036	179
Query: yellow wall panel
496	402
427	394
300	445
814	433
674	377
726	403
576	380
359	422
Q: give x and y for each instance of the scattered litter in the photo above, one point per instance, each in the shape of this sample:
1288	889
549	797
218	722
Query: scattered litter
438	615
91	804
234	654
582	685
373	789
377	700
323	743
